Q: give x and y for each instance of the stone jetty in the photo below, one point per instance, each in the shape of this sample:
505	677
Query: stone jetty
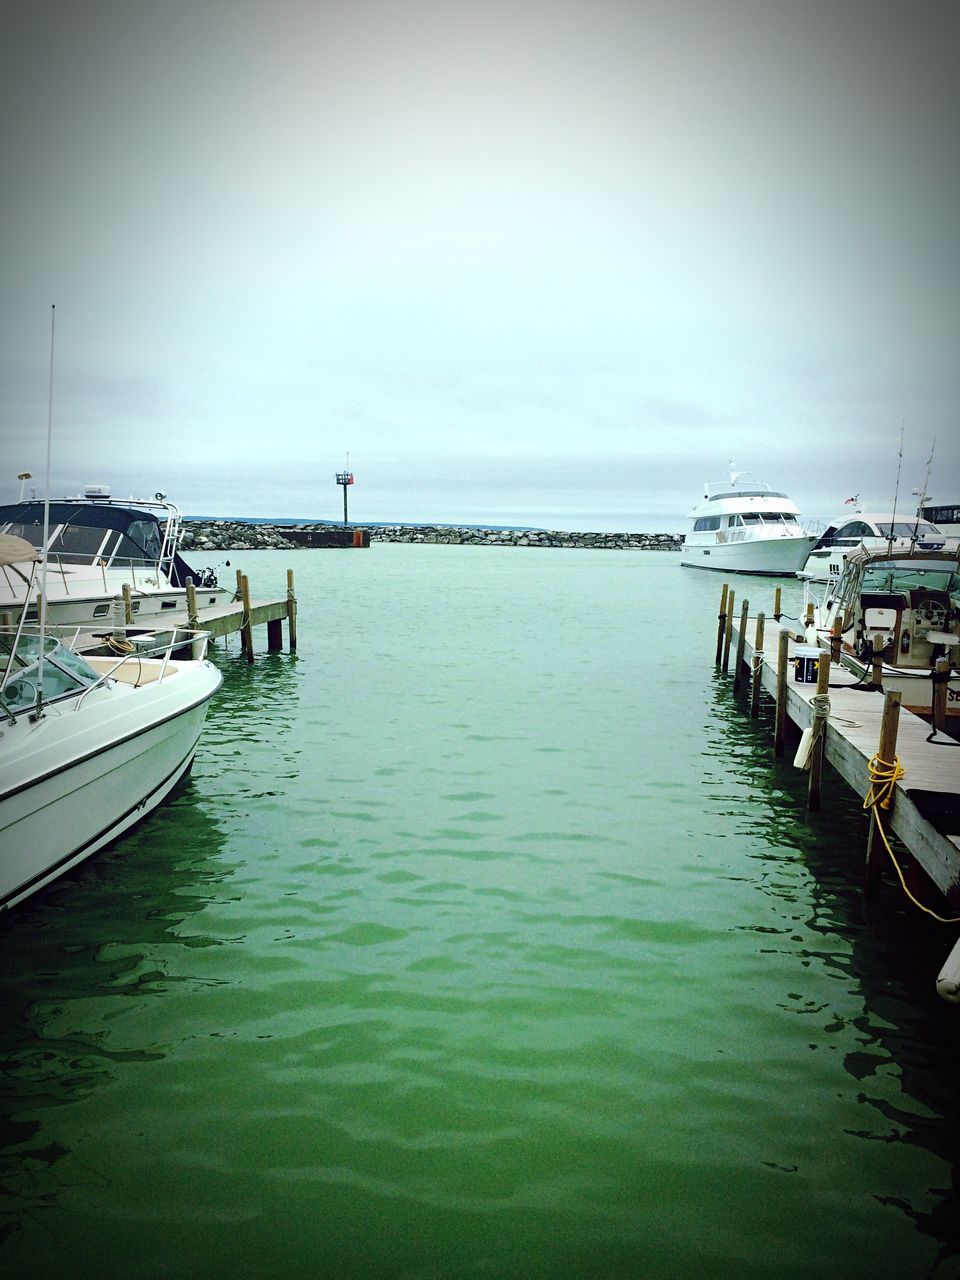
235	535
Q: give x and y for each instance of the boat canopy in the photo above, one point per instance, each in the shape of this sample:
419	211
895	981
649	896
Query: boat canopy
14	550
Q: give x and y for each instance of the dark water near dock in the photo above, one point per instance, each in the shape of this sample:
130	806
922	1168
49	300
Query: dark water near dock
487	939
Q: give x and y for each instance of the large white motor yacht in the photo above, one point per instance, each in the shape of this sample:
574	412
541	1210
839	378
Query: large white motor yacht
743	526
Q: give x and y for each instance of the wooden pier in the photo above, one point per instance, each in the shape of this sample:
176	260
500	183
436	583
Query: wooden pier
871	743
240	614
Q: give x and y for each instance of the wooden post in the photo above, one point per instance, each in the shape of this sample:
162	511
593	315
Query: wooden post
239	591
776	605
757	668
780	722
819	726
836	632
727	633
938	706
808	620
878	647
291	611
246	630
127	604
741	644
722	618
119	619
193	619
886	755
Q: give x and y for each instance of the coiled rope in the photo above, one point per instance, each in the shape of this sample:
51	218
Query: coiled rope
118	645
884	776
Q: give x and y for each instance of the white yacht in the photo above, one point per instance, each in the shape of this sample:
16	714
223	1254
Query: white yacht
743	526
871	530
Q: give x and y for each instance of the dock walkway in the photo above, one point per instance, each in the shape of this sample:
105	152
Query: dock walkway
925	815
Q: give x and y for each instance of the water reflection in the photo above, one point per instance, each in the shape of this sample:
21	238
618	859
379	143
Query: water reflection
906	1052
73	960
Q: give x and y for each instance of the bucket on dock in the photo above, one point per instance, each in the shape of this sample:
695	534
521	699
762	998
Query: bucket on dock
806	664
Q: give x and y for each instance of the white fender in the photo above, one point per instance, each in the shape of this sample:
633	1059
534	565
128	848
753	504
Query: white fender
948	979
802	758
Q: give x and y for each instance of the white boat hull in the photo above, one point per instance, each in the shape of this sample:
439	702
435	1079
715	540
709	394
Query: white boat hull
73	781
88	605
776	557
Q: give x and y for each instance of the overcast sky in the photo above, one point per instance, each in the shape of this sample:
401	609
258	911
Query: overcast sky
544	263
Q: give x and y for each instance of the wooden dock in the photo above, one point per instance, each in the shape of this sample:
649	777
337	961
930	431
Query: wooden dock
239	614
924	812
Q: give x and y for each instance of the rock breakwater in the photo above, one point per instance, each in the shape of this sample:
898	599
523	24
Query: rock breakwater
234	535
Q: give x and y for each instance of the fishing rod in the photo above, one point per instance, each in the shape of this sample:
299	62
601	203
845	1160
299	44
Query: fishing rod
896	494
46	520
922	494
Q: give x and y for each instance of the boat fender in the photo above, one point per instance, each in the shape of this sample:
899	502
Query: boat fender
810	634
802	759
948	979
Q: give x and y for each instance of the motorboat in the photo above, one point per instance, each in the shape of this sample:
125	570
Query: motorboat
743	526
897	615
870	529
98	549
945	515
89	743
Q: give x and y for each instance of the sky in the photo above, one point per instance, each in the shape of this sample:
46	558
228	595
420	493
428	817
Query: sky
534	263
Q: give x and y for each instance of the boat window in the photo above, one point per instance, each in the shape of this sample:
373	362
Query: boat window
906	528
942	515
733	521
700	525
855	529
751	517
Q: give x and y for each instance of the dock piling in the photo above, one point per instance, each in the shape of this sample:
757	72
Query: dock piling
127	604
291	611
741	645
941	677
193	618
757	664
780	720
246	631
820	706
721	624
728	633
885	757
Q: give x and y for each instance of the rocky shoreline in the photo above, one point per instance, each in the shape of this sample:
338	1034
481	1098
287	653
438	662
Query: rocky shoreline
231	535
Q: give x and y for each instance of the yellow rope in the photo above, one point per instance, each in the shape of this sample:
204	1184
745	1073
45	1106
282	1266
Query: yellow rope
883	778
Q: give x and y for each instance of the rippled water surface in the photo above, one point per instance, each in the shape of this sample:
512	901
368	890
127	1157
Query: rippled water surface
488	939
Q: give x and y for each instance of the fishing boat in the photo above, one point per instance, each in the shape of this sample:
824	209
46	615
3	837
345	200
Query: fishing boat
89	745
743	526
97	549
898	617
872	530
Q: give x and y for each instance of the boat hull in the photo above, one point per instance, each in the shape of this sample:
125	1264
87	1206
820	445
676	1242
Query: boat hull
774	557
66	794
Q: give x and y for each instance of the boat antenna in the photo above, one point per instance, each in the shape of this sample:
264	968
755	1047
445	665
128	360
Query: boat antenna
922	494
46	515
896	494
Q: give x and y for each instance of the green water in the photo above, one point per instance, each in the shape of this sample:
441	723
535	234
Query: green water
488	939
